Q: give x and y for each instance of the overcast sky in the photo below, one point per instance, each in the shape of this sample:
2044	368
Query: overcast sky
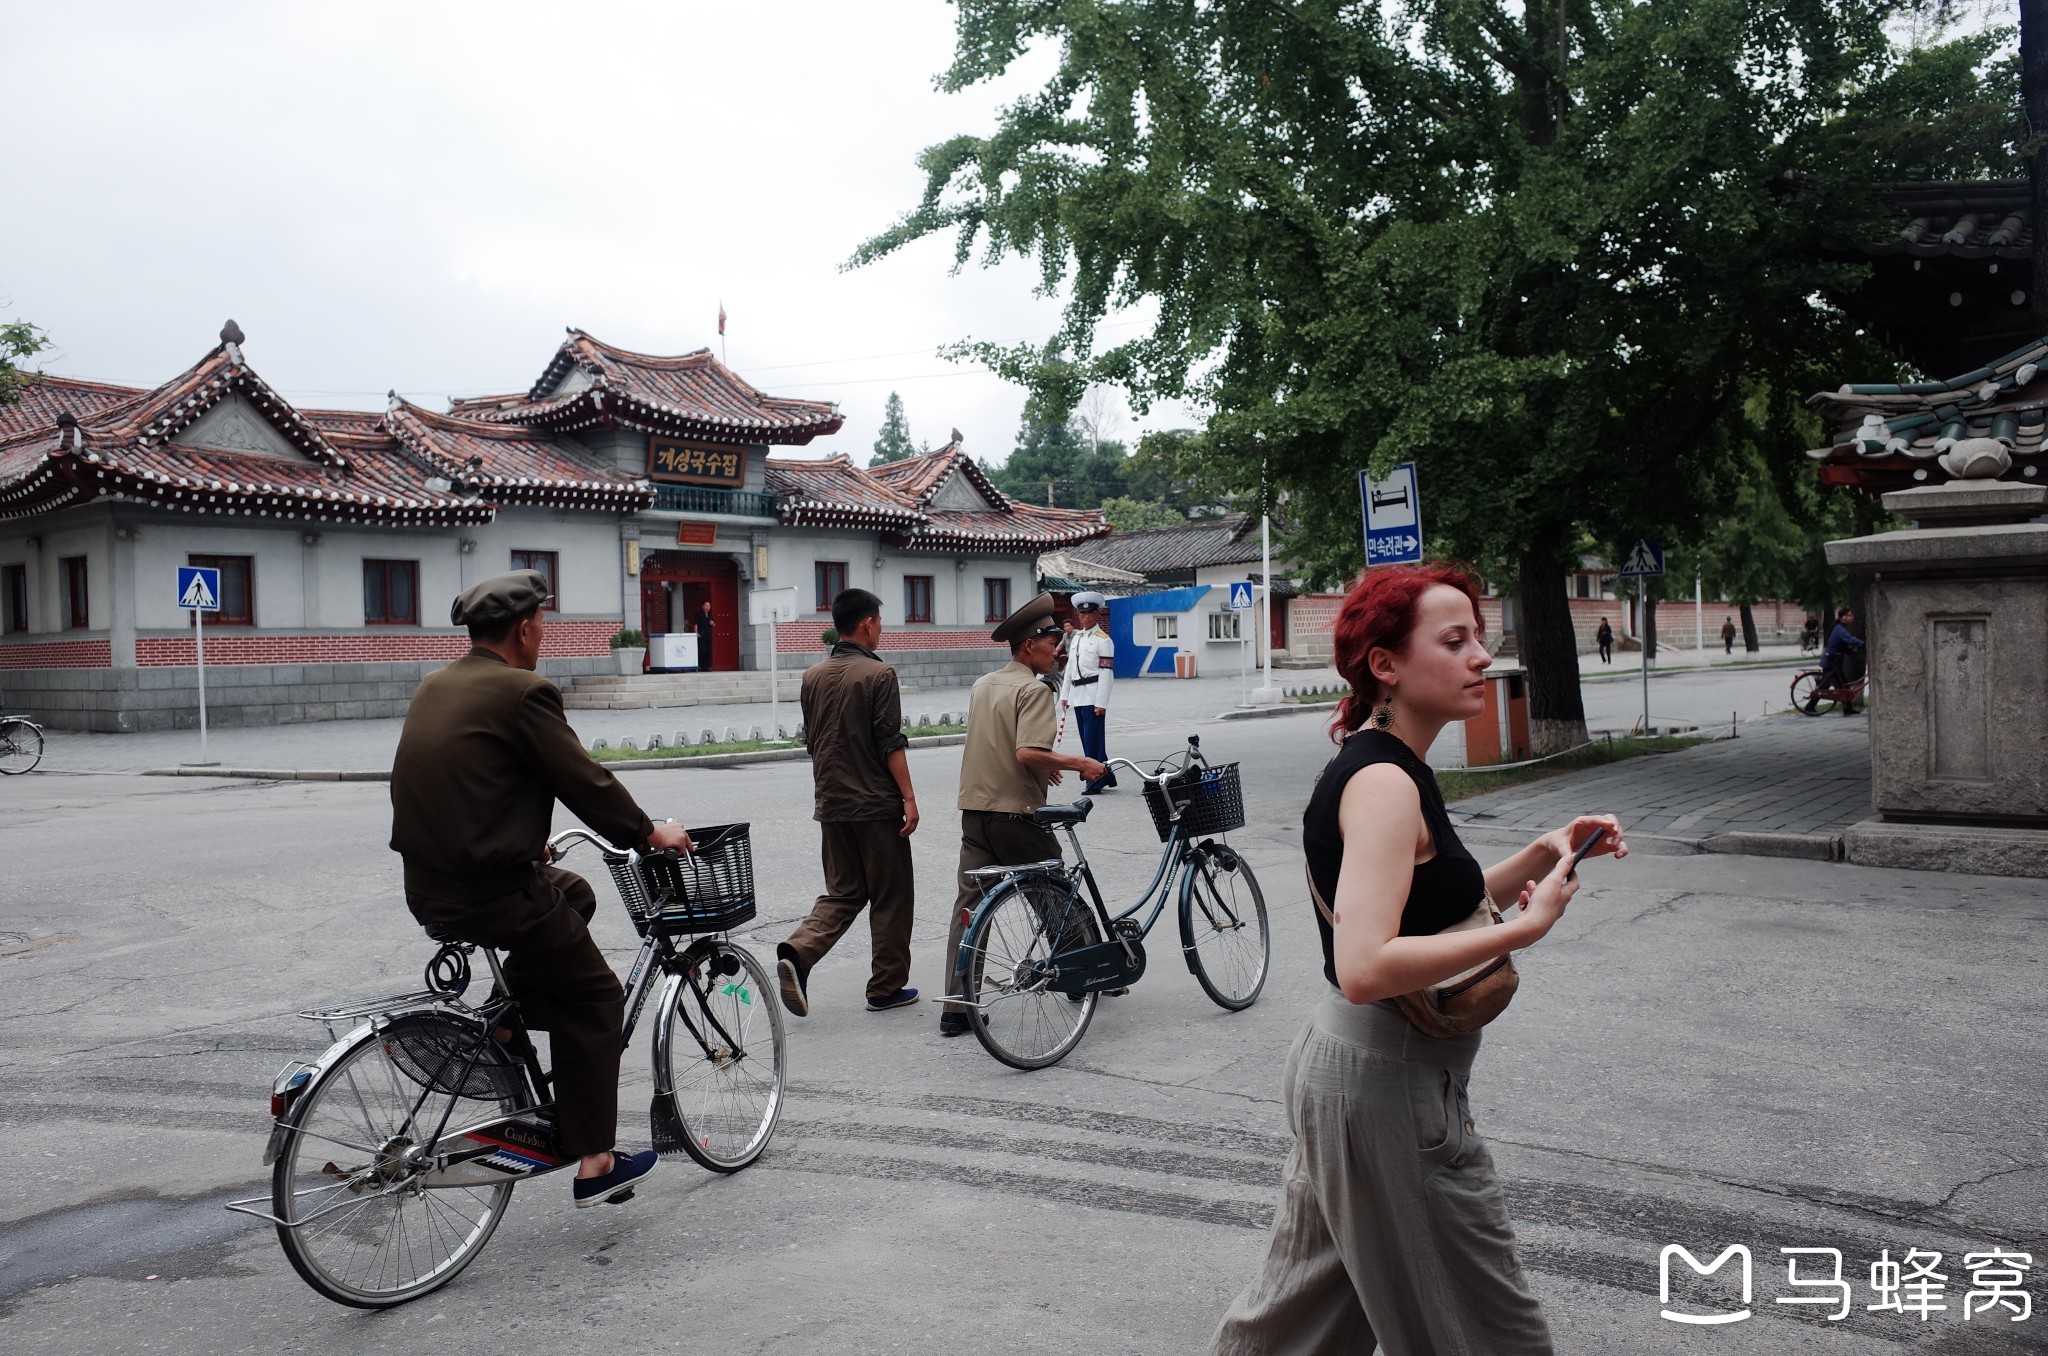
423	196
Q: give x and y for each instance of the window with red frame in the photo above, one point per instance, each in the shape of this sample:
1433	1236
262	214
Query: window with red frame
391	593
237	589
995	599
14	588
917	597
77	604
831	582
545	562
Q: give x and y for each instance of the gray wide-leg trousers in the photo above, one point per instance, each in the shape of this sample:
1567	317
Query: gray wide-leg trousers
1391	1229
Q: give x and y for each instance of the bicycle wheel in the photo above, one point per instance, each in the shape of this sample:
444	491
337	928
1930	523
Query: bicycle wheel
1024	1019
720	1052
1807	690
1223	928
364	1230
21	747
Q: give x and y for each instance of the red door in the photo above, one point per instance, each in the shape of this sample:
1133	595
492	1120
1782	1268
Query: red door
674	585
1278	607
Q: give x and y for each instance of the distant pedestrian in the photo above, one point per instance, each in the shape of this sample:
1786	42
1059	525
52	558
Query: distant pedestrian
1605	637
1090	673
705	628
865	808
1728	636
1392	1232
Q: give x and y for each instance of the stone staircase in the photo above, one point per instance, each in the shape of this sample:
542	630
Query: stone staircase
609	692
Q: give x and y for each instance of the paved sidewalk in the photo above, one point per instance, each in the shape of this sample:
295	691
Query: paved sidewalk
1798	777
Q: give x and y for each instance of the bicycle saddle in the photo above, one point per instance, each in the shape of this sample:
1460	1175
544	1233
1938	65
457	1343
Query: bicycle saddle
440	932
1062	814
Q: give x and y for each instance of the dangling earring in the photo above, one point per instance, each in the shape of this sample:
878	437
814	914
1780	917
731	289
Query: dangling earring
1383	719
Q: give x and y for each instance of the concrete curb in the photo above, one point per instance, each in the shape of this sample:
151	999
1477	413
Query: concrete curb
1635	675
1284	708
634	765
1813	847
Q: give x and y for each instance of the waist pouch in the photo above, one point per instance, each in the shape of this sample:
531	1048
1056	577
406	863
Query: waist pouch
1466	1001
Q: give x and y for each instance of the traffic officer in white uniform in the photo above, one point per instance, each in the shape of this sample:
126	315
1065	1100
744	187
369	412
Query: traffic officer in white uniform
1090	673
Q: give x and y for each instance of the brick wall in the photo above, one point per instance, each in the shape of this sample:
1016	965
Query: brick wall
561	640
799	637
57	654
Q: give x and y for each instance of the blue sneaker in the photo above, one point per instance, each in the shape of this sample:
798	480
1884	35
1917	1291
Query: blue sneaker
902	998
616	1186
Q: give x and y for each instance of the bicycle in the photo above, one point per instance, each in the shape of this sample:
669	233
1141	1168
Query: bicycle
1036	956
1815	692
394	1154
21	745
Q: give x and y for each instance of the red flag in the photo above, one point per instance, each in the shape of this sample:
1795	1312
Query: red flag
721	317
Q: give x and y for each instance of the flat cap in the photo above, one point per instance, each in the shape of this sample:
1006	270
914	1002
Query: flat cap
500	598
1027	620
1081	600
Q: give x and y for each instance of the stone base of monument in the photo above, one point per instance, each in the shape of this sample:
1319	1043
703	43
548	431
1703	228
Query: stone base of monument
1977	849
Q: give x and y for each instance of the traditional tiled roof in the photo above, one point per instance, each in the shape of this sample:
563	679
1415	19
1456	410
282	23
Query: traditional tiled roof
594	385
897	499
834	492
511	464
1166	550
85	440
1987	219
1889	436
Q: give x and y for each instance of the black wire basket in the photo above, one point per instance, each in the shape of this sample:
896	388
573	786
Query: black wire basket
708	890
1210	800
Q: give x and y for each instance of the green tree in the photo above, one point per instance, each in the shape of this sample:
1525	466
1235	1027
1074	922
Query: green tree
1541	250
1140	515
18	340
893	443
1057	460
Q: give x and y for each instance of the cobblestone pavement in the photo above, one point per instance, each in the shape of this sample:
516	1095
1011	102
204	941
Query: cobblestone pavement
1783	775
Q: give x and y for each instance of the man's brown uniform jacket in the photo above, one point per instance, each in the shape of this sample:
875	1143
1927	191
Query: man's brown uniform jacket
485	755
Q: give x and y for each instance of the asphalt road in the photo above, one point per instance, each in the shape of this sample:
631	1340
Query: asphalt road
1709	1050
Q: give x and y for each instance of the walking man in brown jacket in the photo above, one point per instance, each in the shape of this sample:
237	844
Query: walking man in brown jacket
865	808
485	754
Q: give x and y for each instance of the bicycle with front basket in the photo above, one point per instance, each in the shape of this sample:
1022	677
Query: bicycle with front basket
1041	947
394	1154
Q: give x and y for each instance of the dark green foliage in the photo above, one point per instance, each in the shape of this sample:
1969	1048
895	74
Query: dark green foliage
893	443
18	340
1550	269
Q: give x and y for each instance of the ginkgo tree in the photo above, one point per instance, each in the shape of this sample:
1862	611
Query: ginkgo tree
1540	249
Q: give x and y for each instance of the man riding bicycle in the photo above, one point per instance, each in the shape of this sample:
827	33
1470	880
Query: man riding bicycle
484	756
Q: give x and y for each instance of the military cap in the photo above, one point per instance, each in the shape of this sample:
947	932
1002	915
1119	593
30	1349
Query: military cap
1081	600
1034	618
500	598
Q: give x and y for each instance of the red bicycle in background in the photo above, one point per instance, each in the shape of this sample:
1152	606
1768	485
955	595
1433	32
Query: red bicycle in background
1816	692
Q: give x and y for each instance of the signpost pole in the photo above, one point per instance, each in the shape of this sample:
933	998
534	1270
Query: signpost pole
774	693
1643	635
199	647
1699	623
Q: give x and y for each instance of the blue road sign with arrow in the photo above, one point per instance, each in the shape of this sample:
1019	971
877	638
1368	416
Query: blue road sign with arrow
1241	596
199	587
1644	558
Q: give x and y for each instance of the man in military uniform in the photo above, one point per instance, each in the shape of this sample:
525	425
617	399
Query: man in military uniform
484	756
1090	673
1007	763
865	808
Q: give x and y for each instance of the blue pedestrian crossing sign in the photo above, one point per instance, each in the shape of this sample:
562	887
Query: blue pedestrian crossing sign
1241	596
199	587
1644	558
1393	517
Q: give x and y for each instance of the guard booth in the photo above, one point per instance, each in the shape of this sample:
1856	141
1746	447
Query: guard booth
1500	733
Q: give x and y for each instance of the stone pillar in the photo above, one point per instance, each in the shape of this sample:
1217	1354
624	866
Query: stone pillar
1958	616
629	574
121	593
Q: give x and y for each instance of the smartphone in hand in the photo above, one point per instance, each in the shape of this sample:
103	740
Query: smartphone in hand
1592	841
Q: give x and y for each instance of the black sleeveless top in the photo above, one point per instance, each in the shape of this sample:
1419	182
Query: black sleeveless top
1444	890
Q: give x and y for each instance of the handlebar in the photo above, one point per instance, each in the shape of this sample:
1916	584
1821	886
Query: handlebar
559	845
1168	767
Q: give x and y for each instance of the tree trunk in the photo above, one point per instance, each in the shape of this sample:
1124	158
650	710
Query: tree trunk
1749	640
1549	650
1649	623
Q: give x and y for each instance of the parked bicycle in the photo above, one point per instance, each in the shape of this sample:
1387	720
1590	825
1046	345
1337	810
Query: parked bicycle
1037	955
21	745
394	1154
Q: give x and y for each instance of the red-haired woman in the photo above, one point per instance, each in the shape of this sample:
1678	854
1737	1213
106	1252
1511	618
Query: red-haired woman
1391	1228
